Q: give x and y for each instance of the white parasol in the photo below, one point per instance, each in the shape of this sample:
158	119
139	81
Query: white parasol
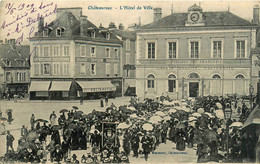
133	115
236	124
172	110
131	108
160	113
200	110
192	118
219	105
196	114
147	126
123	126
219	114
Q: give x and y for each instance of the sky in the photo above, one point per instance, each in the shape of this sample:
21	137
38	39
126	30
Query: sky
243	9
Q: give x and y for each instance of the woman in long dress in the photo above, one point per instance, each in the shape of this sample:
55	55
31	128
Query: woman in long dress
180	145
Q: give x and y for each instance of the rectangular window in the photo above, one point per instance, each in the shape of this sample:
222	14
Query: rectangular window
151	50
150	84
66	50
8	76
115	69
45	32
194	49
217	49
171	85
116	53
37	51
56	68
45	69
36	69
66	68
108	68
127	43
56	50
107	53
93	69
82	68
46	51
240	49
16	76
82	50
93	51
172	49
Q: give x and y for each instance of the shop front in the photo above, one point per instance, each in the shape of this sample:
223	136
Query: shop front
96	89
60	90
39	90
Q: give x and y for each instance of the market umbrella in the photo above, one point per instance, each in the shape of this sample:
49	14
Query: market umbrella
196	114
8	110
180	126
236	124
64	110
219	114
3	119
186	109
209	114
56	127
192	118
125	110
200	110
147	127
122	126
78	113
167	118
160	113
72	126
131	108
154	121
219	105
133	115
172	110
157	118
32	136
75	107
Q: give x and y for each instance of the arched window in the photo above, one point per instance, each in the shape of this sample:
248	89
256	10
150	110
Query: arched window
150	81
60	31
240	76
171	83
194	76
216	76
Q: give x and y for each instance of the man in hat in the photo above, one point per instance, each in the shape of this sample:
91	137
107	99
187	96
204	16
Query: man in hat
24	131
74	159
53	118
57	154
135	144
9	141
146	142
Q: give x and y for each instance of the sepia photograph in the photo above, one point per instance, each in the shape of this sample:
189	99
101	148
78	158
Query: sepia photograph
129	81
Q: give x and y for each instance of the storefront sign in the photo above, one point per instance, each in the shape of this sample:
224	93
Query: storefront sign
51	59
96	60
60	59
99	89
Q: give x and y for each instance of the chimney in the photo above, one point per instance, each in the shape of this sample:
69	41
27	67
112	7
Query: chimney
256	14
157	14
41	25
83	22
112	25
12	43
121	27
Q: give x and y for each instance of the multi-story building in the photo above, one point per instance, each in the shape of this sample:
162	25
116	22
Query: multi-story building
195	53
128	57
14	68
73	58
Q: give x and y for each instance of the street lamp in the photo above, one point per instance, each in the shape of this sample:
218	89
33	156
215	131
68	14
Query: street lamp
251	91
227	115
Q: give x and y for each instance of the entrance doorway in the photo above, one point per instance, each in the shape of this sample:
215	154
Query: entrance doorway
193	89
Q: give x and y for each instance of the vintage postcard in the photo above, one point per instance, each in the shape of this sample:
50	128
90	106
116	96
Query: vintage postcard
129	81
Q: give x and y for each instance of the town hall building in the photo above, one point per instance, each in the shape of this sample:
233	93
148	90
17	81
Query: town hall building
194	54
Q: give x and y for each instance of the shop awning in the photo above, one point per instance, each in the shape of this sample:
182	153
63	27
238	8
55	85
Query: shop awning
39	86
253	118
131	83
96	86
60	86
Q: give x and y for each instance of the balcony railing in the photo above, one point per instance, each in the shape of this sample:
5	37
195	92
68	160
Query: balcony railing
198	62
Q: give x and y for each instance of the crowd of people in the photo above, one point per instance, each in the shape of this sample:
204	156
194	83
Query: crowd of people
141	127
